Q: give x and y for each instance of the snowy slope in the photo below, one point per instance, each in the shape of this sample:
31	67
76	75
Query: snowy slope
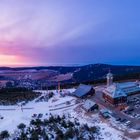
14	115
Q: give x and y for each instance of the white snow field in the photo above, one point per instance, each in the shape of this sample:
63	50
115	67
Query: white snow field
14	115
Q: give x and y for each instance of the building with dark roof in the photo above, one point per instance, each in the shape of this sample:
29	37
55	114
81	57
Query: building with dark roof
84	91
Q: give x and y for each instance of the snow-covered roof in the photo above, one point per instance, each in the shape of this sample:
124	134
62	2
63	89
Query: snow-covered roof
127	84
82	90
114	91
88	104
117	90
109	74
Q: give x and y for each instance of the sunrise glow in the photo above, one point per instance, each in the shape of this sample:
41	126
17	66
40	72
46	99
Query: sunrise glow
69	32
8	60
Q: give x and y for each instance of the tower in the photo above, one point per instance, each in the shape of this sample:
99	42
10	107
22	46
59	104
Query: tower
109	79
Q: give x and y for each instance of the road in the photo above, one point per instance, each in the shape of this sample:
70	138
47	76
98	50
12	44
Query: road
115	111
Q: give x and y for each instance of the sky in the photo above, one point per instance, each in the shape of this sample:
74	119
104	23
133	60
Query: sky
69	32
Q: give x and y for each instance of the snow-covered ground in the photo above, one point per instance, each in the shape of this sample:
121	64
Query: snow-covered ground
14	115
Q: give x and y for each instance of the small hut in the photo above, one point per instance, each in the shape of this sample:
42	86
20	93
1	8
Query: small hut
90	106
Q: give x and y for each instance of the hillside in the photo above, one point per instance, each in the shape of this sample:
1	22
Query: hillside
64	73
99	71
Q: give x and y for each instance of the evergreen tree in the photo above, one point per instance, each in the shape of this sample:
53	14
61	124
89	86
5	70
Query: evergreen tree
34	136
21	126
60	134
4	134
69	133
23	136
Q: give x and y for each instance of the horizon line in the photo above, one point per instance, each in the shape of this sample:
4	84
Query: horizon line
65	65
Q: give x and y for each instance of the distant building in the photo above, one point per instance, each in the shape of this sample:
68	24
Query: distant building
118	93
90	105
84	91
